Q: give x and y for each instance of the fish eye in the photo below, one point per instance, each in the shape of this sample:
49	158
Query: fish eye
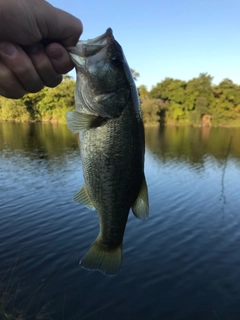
117	60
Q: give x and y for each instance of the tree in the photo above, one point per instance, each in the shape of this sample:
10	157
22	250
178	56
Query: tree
135	74
143	92
227	102
47	104
171	91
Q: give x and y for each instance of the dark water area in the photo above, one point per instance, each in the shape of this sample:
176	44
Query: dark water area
182	263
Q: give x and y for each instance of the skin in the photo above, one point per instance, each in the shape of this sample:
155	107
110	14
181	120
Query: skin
27	64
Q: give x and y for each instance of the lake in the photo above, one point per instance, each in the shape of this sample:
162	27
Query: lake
182	263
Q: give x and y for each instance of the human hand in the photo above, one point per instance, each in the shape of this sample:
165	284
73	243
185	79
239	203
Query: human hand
26	65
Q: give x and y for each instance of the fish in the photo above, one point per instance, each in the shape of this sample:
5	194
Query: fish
107	119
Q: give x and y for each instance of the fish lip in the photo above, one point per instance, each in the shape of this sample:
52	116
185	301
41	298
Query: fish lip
106	35
86	48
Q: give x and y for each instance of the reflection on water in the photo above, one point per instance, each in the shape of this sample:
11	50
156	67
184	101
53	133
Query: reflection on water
193	144
183	263
31	139
171	143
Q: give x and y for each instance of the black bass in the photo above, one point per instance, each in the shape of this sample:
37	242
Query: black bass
111	133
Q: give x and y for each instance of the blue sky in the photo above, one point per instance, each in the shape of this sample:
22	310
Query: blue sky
171	38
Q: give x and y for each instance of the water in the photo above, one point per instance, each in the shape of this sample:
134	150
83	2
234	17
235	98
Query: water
183	263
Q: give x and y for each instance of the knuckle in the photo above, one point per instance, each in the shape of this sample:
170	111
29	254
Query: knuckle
54	82
64	67
10	86
35	87
12	93
18	95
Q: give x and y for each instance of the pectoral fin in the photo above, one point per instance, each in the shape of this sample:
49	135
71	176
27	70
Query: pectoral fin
82	197
140	207
78	121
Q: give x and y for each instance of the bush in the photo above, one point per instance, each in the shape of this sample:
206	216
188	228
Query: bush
13	110
152	110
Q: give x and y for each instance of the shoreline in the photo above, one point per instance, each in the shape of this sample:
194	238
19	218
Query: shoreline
147	125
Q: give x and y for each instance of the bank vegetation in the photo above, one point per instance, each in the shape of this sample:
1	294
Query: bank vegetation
197	102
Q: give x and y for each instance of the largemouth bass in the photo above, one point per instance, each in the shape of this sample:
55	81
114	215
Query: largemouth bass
111	133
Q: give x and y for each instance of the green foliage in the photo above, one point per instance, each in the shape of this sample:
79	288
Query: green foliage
14	110
152	109
226	108
177	111
50	104
188	102
171	91
171	101
143	92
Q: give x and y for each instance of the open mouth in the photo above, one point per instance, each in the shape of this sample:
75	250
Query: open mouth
87	48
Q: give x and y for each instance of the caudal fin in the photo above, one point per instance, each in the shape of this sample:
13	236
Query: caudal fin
97	258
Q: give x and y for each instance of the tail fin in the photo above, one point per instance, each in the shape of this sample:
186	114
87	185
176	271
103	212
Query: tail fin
97	258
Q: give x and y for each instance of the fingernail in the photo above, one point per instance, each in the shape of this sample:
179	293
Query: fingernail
55	54
7	48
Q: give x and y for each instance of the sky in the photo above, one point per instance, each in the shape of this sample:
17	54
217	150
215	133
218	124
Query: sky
161	39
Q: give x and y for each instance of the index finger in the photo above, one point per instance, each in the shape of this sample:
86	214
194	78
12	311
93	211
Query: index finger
59	25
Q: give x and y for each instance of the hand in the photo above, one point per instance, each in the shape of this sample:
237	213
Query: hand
26	65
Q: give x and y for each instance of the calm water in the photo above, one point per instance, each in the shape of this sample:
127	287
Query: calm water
183	263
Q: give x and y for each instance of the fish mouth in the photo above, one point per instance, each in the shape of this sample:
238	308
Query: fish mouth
87	48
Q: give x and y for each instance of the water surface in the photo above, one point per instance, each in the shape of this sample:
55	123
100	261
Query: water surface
182	263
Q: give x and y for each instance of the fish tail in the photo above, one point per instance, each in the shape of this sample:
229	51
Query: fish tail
98	258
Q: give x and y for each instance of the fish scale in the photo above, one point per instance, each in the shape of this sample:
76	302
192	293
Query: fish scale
111	133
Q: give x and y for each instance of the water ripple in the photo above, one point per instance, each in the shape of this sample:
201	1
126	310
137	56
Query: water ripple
182	263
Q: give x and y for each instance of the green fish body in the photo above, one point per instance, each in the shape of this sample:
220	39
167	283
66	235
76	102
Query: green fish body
111	132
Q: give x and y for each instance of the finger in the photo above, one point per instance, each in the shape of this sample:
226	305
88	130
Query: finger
60	58
43	65
28	22
10	87
57	24
14	57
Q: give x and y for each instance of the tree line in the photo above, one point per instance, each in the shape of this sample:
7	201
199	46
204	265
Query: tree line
174	101
171	101
49	104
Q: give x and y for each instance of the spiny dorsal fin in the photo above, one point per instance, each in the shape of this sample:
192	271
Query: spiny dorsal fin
78	121
82	197
140	207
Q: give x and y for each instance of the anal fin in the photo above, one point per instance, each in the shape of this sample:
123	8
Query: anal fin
140	207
